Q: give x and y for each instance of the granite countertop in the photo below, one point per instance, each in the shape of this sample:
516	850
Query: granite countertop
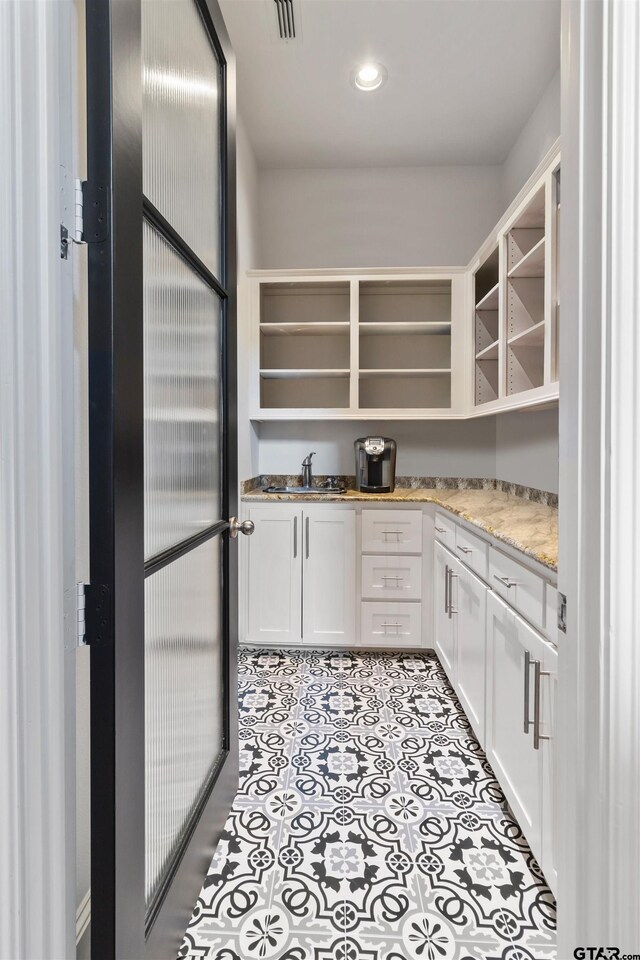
526	524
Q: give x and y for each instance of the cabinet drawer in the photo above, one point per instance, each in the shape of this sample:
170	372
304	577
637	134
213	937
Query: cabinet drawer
519	586
392	531
445	530
392	578
473	551
390	624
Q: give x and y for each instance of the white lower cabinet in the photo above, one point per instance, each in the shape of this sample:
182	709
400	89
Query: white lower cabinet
329	576
302	575
521	680
469	600
275	574
390	624
444	636
460	614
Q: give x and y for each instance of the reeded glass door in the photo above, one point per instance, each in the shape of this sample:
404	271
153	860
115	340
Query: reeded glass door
166	438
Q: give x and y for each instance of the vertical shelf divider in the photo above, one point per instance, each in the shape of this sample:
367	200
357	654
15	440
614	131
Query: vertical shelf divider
503	269
354	316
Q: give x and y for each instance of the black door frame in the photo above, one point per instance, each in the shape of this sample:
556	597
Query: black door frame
115	599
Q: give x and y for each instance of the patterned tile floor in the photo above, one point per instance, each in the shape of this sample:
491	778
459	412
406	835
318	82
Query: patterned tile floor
368	824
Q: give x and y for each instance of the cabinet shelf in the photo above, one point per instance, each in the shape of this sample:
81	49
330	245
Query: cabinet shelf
399	326
531	265
490	299
432	372
302	374
490	352
531	337
310	329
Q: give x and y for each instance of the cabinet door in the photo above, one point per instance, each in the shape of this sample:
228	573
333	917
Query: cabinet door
470	603
548	687
329	576
509	714
443	623
275	574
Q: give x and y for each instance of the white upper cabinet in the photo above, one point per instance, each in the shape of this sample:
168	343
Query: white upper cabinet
516	304
393	344
385	344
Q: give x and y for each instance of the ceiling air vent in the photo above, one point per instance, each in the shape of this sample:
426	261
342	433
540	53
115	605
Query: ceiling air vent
285	19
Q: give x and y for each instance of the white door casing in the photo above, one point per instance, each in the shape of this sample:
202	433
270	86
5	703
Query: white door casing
599	563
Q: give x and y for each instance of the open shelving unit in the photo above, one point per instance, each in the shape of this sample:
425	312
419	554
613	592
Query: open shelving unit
416	343
375	344
404	344
515	304
486	342
305	345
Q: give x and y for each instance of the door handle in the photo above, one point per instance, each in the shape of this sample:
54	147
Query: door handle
527	664
537	673
295	537
446	588
240	526
307	537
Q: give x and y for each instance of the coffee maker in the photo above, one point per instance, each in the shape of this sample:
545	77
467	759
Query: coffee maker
375	464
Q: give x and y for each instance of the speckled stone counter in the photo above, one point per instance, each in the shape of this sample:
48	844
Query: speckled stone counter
523	522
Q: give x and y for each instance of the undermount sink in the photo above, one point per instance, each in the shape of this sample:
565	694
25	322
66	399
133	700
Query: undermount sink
305	491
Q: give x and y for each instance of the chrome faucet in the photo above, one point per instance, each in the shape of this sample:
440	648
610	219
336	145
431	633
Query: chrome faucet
307	477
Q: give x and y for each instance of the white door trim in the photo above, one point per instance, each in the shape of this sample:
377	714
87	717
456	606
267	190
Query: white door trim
599	570
37	561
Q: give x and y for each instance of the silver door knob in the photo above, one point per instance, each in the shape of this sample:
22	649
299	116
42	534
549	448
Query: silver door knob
240	526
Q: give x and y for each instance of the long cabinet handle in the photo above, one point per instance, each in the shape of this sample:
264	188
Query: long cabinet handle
295	537
306	537
527	665
446	588
390	624
397	532
392	578
537	672
452	576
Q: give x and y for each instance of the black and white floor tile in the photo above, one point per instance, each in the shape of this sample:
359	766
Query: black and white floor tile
368	824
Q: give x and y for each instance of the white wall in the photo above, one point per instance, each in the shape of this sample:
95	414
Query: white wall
527	448
247	200
425	448
392	216
248	258
538	135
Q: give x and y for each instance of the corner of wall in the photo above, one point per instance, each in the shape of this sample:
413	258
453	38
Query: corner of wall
537	136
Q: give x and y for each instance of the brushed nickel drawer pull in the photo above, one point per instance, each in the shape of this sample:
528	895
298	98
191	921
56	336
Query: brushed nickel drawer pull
537	673
451	609
527	664
441	529
392	578
465	549
505	581
390	624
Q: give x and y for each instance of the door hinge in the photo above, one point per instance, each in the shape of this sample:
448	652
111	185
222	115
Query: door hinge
562	612
90	216
81	621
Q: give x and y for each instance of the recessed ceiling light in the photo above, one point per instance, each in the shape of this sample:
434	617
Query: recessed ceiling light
369	76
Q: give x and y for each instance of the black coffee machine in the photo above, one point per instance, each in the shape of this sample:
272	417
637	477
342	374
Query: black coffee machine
375	464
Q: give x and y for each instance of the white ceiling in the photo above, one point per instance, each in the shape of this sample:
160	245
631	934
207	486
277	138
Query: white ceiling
464	76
